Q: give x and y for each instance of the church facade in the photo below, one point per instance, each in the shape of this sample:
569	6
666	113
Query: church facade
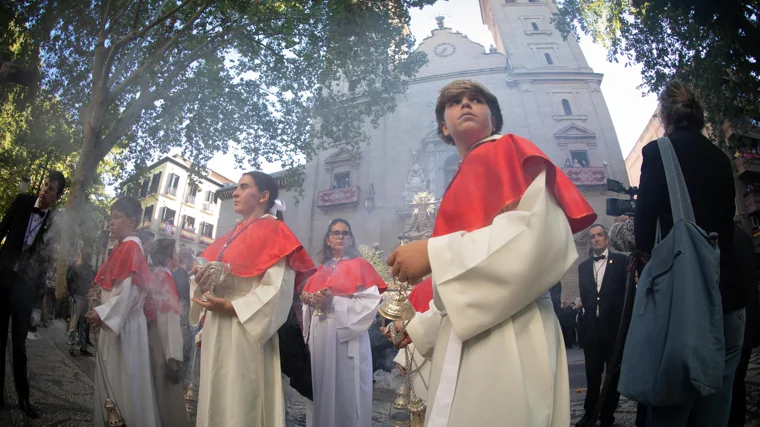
547	92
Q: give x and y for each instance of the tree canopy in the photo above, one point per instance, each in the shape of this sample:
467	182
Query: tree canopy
270	80
713	45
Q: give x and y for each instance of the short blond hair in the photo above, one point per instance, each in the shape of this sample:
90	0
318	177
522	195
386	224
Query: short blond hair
459	88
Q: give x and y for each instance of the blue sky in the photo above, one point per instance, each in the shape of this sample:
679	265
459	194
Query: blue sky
630	110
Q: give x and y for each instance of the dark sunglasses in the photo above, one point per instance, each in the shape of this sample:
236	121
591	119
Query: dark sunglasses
339	233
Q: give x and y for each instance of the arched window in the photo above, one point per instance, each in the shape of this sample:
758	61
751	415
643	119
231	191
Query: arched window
449	169
567	108
548	59
534	25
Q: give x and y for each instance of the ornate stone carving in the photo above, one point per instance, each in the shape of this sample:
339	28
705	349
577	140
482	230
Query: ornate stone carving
415	180
423	218
588	176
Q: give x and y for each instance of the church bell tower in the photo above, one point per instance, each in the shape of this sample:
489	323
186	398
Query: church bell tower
559	102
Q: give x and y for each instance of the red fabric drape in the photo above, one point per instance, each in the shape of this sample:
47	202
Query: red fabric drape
348	277
259	246
493	177
163	296
126	259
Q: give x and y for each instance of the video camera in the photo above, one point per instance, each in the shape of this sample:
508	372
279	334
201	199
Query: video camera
617	207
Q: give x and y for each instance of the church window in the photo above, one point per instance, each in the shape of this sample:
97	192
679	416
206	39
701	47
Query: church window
341	180
189	224
144	189
548	59
172	184
450	168
567	108
168	215
207	229
154	182
534	25
580	158
148	213
191	194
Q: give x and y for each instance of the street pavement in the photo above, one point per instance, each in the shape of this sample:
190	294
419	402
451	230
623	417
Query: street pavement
62	387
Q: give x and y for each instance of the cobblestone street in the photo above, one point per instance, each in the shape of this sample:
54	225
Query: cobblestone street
61	388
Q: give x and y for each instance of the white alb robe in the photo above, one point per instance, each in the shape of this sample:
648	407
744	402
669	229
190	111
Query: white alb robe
124	356
166	342
240	375
341	359
498	357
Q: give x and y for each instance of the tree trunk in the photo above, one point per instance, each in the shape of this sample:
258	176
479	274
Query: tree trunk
89	158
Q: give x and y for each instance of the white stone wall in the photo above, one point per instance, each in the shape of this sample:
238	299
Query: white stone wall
176	203
530	94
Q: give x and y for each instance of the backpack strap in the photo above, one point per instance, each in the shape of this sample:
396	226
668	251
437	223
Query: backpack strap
680	202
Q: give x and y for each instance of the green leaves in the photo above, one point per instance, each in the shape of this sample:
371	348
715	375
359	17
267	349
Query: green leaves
712	45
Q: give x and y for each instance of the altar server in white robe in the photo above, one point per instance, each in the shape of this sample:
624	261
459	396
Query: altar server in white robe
340	305
502	238
123	356
240	374
163	311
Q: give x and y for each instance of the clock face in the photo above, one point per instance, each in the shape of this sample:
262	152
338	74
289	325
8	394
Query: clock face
444	49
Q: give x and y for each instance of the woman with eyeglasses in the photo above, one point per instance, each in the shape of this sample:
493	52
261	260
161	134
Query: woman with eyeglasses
340	304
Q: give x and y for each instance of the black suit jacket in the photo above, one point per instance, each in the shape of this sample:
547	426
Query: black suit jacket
610	300
710	182
27	282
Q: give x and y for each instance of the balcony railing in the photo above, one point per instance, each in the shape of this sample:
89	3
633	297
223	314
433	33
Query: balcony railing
167	227
145	225
593	175
206	240
171	191
187	234
338	196
190	199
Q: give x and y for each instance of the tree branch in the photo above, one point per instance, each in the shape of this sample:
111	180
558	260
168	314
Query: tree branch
132	51
137	15
136	74
127	120
132	35
112	22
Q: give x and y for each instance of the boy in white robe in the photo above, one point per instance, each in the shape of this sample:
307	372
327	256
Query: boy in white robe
122	367
502	238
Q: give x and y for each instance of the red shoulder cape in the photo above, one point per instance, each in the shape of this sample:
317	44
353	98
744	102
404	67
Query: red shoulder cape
127	258
350	276
163	296
494	176
259	246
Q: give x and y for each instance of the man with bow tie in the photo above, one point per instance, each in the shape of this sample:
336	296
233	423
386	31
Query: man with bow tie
23	266
601	280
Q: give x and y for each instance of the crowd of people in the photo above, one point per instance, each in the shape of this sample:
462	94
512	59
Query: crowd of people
489	332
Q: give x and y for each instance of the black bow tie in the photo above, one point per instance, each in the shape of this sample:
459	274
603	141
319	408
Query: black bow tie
599	258
38	211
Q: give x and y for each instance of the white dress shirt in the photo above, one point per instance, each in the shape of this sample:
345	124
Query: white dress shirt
599	268
35	224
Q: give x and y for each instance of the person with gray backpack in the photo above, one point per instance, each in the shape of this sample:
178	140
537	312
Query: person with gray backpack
687	326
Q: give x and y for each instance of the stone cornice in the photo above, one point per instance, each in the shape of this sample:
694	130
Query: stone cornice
517	76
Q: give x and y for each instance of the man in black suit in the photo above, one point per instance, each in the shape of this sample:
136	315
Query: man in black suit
601	280
23	265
